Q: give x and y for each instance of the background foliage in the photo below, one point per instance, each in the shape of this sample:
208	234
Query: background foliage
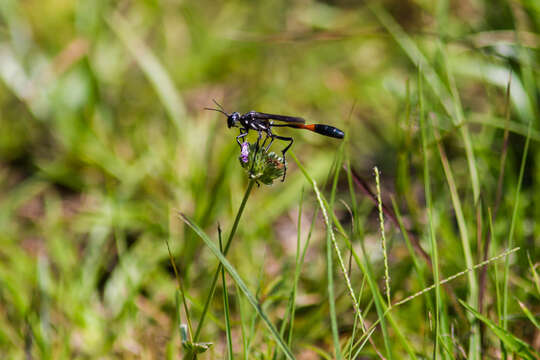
103	141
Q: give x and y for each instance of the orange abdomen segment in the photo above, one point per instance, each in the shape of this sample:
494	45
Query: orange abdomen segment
326	130
308	127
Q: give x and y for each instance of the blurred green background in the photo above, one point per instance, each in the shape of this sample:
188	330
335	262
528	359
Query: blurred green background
103	140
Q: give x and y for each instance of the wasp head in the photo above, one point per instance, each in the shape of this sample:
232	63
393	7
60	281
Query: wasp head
233	119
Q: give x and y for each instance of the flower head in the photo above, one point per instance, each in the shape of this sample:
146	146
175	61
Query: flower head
262	166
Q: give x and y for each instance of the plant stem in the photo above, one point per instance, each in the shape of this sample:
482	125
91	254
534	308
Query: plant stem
218	270
383	237
226	304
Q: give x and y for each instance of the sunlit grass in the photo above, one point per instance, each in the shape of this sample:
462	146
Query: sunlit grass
104	141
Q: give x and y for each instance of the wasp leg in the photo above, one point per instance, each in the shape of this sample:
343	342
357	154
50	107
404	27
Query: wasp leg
243	133
256	151
284	138
271	136
264	143
258	140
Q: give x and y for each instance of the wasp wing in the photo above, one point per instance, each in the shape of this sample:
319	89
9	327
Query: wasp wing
285	118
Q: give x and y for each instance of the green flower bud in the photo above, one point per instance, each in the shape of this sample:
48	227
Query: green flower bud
264	167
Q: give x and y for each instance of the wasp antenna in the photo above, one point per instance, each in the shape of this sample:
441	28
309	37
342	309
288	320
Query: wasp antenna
219	106
218	110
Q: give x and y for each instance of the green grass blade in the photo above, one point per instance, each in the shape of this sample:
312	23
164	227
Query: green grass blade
472	299
427	190
180	291
152	68
373	285
408	243
449	100
331	295
291	305
529	314
500	123
299	260
362	344
242	285
218	270
510	244
365	267
511	342
534	273
329	261
498	296
226	304
243	324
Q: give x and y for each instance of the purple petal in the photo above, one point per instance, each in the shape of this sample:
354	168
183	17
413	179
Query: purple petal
244	154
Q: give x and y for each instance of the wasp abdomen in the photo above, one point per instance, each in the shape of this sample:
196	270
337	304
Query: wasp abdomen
329	131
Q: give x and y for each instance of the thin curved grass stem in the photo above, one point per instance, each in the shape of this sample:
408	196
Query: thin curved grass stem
218	270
